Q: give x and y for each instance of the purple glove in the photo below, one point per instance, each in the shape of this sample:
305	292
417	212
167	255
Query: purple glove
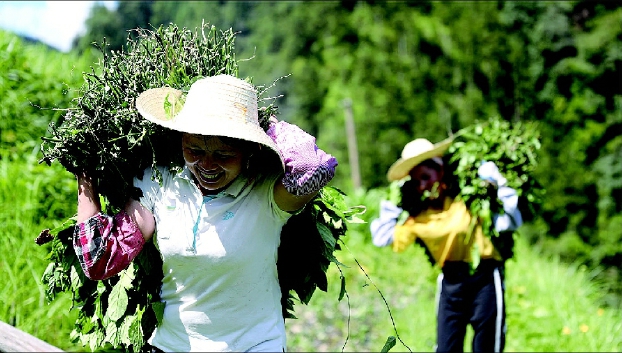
307	168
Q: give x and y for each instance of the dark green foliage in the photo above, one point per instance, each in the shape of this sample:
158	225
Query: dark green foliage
114	25
308	241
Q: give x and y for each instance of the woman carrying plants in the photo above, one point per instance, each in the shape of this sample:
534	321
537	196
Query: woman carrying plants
471	289
216	223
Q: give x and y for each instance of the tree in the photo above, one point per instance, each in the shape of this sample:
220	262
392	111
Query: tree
114	25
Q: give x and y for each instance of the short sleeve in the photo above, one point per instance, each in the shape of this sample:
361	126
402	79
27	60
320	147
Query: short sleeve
269	183
150	187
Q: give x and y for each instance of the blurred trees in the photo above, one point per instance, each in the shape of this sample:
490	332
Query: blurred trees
428	68
113	25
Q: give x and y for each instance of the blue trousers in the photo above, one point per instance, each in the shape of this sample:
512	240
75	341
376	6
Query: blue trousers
476	299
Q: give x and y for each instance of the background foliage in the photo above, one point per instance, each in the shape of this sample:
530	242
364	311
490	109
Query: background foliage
411	69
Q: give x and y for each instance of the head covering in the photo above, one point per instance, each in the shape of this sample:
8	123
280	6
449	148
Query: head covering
415	152
221	105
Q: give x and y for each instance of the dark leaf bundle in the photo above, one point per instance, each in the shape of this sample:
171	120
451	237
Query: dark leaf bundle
104	134
308	241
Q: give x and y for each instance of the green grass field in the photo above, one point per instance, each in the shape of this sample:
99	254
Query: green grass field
551	306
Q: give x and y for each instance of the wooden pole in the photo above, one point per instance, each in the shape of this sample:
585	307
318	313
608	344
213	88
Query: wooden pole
353	155
15	340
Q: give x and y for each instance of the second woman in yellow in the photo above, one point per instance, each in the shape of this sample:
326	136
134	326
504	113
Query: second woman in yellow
441	222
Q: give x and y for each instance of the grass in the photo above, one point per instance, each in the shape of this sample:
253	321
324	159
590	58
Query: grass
29	195
552	306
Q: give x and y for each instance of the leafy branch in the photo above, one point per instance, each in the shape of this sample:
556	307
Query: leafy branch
513	147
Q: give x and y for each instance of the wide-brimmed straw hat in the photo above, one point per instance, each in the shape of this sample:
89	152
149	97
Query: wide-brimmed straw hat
221	105
415	152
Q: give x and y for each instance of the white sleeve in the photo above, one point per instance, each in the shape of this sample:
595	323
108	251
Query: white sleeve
382	228
150	188
512	218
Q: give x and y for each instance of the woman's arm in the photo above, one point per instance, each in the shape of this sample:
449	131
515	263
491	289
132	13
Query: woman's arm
383	227
105	245
307	168
511	219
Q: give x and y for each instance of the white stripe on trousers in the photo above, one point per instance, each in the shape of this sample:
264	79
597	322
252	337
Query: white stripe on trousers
439	287
499	319
499	301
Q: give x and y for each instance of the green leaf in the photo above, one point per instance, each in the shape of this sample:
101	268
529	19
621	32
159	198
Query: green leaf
95	340
475	257
390	343
117	302
112	334
342	291
135	332
158	310
76	279
126	328
327	235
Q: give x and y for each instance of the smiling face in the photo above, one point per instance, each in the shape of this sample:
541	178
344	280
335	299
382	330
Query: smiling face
214	163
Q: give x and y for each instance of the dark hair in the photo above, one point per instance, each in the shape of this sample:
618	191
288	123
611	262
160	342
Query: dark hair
414	205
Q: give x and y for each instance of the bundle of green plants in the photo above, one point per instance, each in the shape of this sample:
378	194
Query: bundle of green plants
104	135
513	147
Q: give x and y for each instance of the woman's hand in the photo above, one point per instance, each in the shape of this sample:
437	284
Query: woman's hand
307	168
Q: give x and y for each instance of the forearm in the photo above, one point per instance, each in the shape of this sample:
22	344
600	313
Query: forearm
383	227
105	245
512	218
88	198
307	167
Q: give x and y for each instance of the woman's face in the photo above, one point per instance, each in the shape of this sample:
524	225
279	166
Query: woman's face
213	163
425	177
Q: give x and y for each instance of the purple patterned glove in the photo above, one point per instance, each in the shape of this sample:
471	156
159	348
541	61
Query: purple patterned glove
307	168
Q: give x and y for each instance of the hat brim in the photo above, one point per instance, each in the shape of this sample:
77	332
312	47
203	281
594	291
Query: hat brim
150	105
402	167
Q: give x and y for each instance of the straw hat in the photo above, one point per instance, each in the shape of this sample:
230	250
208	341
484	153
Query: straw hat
414	153
219	105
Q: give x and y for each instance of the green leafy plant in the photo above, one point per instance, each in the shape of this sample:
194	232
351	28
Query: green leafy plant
513	147
105	136
308	241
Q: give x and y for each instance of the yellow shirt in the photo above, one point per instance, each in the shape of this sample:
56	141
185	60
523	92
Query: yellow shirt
449	233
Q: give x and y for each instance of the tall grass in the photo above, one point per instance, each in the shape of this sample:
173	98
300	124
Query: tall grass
551	306
32	197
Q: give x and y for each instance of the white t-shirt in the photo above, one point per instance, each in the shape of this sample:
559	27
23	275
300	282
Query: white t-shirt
220	286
